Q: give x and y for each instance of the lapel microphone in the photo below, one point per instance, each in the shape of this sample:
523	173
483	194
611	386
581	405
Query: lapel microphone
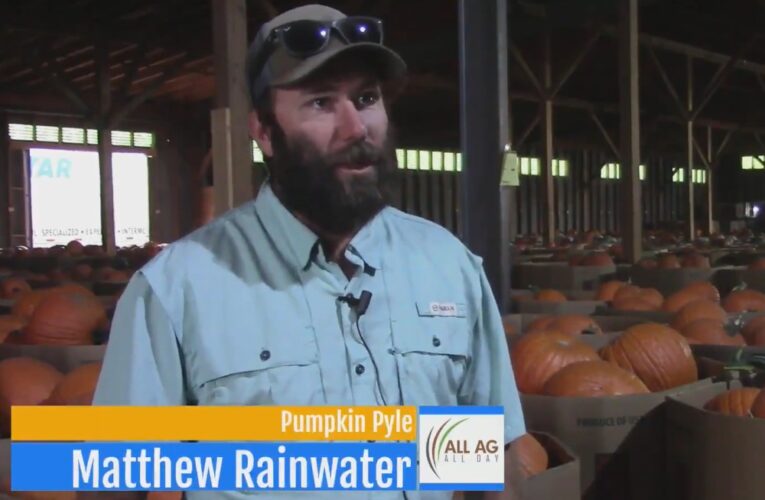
360	304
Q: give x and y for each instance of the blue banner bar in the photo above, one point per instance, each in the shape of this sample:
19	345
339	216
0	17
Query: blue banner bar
213	466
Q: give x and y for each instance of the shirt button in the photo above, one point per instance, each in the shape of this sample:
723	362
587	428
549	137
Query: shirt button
436	342
265	355
359	369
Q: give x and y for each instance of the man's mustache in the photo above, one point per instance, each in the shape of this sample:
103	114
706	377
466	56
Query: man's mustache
360	153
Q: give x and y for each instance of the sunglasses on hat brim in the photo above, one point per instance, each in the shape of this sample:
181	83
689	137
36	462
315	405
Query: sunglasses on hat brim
305	38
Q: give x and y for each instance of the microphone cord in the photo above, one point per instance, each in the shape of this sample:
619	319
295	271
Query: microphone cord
374	363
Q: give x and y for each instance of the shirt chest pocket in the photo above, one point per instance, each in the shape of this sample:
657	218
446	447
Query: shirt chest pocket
432	353
261	370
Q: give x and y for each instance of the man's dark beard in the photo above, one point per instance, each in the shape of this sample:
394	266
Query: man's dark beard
307	182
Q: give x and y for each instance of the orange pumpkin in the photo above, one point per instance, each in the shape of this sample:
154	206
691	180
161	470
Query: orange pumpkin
696	260
82	272
648	263
752	327
632	304
531	455
710	332
74	248
744	301
10	324
25	305
657	354
597	259
696	310
537	356
758	405
757	265
593	379
10	288
695	291
574	324
76	387
65	318
550	296
737	402
668	261
607	290
540	323
24	381
628	293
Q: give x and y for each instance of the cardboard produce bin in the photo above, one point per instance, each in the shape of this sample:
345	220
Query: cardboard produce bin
561	276
594	428
712	456
669	281
560	481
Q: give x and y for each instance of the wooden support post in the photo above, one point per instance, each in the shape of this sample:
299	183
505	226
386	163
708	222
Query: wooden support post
629	97
485	131
548	187
234	174
710	185
108	237
691	225
5	182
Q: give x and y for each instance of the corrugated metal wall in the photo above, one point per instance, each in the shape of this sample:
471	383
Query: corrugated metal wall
582	199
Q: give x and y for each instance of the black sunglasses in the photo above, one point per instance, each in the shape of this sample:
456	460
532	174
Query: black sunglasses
306	38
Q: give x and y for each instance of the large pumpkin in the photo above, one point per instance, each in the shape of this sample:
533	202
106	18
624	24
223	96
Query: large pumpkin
531	455
744	301
668	261
710	332
657	354
540	323
537	356
593	379
701	290
550	296
696	260
10	288
597	259
607	290
752	328
736	402
76	387
65	319
24	381
758	405
633	298
10	324
574	324
696	310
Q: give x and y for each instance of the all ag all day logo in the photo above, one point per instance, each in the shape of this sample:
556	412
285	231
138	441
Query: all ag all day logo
462	447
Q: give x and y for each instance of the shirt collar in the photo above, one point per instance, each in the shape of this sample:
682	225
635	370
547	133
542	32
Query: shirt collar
301	243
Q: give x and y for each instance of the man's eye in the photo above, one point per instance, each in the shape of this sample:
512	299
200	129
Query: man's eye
320	103
368	98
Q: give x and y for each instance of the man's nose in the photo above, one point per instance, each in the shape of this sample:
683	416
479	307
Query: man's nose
350	125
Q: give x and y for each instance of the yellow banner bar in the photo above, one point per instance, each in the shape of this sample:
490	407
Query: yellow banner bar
213	423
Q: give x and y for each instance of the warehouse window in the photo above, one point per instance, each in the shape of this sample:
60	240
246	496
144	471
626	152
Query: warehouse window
614	171
74	135
753	162
533	166
66	202
699	176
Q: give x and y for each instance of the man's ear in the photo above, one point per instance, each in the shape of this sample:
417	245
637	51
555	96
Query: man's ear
261	133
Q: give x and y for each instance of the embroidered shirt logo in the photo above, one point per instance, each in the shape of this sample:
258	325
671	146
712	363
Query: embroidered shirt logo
443	308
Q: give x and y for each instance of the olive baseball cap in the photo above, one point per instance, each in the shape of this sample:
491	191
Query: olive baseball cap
282	68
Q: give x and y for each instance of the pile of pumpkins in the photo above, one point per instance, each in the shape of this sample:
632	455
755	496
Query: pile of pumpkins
26	381
69	314
740	402
552	359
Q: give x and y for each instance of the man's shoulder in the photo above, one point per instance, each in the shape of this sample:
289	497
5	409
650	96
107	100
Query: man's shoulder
425	235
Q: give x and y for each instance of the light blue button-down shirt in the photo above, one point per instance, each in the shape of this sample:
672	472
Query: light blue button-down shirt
245	311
